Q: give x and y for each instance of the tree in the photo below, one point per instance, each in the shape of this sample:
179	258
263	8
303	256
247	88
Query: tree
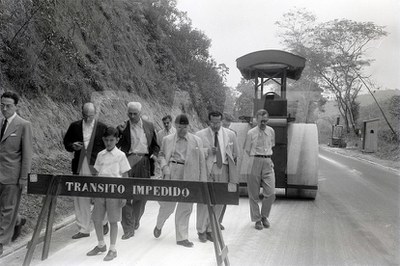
336	52
244	103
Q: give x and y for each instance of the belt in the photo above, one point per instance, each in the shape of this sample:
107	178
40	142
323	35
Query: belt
262	156
177	162
138	154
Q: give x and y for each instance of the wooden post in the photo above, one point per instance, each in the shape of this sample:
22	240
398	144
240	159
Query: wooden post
221	250
36	234
50	222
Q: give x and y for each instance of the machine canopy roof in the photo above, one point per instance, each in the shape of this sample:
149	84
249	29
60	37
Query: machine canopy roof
267	63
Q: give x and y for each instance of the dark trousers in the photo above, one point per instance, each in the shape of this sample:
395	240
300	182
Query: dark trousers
10	196
133	210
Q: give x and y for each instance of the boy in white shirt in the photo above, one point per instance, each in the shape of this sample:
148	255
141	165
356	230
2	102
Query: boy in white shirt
110	162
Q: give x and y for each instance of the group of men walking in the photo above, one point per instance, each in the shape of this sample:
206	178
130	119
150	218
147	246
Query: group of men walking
210	154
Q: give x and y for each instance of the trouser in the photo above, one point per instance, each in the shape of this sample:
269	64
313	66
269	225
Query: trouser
133	211
83	206
83	214
262	174
183	209
203	219
10	196
182	216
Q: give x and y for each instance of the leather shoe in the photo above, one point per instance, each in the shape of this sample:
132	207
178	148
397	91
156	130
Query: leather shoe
202	237
17	229
209	237
156	232
185	243
80	235
258	225
128	235
97	250
112	254
137	224
265	222
105	229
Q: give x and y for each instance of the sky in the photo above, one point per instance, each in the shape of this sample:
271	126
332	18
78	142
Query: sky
239	27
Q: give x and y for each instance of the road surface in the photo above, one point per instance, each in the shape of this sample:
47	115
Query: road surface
353	221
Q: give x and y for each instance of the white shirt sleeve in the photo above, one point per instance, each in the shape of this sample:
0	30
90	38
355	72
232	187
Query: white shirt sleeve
124	165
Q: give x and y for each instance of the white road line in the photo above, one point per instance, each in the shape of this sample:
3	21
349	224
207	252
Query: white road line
332	161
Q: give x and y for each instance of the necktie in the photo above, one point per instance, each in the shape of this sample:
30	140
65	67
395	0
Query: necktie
3	128
219	155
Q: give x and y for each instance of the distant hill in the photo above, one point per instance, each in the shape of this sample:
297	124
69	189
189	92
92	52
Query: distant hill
381	96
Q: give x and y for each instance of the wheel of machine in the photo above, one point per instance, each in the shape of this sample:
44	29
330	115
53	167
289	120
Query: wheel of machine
302	163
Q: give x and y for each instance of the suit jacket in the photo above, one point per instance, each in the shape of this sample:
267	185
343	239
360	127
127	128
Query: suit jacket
16	152
231	150
96	144
124	143
195	167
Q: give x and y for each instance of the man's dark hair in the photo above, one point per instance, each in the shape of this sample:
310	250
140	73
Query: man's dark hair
167	117
12	95
215	114
110	131
262	112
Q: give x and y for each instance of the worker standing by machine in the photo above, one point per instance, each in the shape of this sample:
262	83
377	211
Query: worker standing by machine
260	171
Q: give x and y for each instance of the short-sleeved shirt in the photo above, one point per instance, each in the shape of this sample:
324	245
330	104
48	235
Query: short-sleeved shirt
111	163
260	142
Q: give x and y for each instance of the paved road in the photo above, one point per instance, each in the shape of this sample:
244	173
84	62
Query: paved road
353	221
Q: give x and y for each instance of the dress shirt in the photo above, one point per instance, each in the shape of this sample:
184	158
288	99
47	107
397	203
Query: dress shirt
9	120
138	138
179	154
264	140
221	145
87	132
163	132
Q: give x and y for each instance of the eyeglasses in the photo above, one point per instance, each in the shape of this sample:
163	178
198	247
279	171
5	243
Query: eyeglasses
7	106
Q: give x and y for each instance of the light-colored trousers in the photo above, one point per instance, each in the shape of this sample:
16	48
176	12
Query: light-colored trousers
262	174
83	206
183	209
203	219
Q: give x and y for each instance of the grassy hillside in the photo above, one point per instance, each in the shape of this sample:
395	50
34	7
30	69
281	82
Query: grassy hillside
59	54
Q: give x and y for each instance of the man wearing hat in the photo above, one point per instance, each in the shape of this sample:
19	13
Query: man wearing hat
181	158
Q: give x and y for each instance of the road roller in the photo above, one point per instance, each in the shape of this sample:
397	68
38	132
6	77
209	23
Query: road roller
295	154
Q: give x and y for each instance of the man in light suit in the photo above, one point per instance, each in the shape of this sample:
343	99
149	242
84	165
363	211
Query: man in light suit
139	142
181	158
15	164
84	139
221	152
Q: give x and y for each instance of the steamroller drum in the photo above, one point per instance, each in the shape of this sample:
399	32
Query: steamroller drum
302	163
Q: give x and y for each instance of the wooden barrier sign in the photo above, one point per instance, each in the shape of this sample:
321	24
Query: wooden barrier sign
209	193
130	188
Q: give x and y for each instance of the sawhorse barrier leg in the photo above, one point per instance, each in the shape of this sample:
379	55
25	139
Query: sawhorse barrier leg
49	205
221	250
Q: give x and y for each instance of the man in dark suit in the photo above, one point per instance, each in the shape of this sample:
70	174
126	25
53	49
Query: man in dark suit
84	139
139	142
15	164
